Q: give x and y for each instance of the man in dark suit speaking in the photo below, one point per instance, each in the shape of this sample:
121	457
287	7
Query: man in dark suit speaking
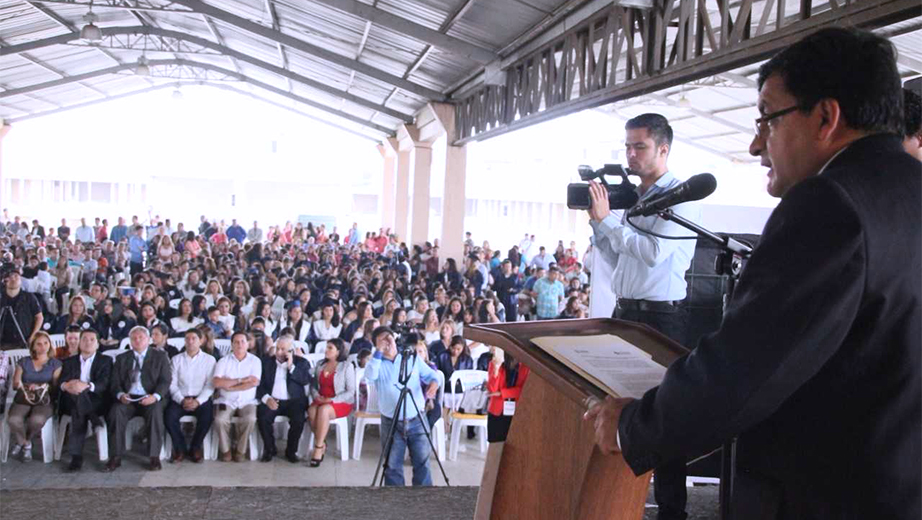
816	367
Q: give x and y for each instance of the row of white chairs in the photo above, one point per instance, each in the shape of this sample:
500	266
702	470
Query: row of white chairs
54	431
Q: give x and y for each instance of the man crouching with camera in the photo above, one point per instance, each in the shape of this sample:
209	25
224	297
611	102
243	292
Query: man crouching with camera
383	371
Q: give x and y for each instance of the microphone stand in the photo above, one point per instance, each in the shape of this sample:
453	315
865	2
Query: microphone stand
729	264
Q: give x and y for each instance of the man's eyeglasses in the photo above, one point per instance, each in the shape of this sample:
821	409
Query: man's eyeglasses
761	124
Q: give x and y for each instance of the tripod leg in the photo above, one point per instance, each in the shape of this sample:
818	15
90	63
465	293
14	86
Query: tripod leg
384	459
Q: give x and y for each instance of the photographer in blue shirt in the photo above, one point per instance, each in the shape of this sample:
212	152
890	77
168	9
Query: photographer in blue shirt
383	370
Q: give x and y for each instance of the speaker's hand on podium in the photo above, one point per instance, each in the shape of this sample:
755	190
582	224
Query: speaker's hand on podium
605	417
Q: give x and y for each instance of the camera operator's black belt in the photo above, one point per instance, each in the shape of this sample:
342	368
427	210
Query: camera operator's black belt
647	305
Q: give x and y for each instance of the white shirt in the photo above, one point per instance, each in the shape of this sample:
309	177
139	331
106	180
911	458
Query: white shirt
192	376
647	267
182	324
85	366
324	332
136	387
231	367
229	321
280	387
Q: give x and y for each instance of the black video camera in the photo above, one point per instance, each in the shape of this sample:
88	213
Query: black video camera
620	196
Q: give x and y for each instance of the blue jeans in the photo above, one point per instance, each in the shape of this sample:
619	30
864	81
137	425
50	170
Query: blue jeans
415	438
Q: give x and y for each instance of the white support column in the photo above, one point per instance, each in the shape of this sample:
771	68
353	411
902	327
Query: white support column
421	159
388	151
401	195
4	129
454	199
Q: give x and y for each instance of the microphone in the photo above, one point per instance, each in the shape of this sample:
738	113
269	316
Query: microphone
696	188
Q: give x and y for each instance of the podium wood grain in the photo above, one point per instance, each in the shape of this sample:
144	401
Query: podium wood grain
551	468
552	471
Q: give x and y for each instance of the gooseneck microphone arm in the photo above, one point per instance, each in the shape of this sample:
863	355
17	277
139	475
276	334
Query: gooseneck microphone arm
727	243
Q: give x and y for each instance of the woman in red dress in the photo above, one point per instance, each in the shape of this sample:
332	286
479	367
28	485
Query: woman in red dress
332	394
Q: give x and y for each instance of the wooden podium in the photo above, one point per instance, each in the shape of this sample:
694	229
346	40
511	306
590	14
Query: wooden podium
549	467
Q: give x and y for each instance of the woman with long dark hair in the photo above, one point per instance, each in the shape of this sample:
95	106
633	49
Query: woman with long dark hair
332	395
328	326
184	319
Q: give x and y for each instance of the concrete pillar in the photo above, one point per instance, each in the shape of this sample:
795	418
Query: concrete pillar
454	199
422	166
388	151
454	203
420	150
401	195
4	129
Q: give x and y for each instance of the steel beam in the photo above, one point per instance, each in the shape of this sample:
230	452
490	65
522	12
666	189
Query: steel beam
69	26
702	113
860	13
162	86
220	39
116	4
303	46
412	29
202	66
153	31
283	57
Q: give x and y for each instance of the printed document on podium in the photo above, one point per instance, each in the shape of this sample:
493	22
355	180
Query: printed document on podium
608	361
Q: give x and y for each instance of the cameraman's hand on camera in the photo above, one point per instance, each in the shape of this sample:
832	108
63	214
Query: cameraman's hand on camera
600	207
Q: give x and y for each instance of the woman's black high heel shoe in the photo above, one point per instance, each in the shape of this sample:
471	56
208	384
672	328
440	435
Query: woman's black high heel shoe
316	462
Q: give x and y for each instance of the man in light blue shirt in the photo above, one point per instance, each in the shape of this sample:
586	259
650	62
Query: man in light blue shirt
542	259
383	370
649	272
137	246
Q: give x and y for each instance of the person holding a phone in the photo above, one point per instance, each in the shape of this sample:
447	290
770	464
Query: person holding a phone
281	392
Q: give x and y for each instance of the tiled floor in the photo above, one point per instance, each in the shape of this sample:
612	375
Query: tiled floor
466	471
238	490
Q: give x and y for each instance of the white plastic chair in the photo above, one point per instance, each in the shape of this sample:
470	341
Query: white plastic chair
174	303
478	351
320	347
48	429
125	344
370	415
135	424
113	354
209	445
223	346
102	438
438	429
179	343
300	346
314	358
280	430
469	379
58	340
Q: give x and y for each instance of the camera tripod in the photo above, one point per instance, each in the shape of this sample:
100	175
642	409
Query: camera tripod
7	310
402	379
